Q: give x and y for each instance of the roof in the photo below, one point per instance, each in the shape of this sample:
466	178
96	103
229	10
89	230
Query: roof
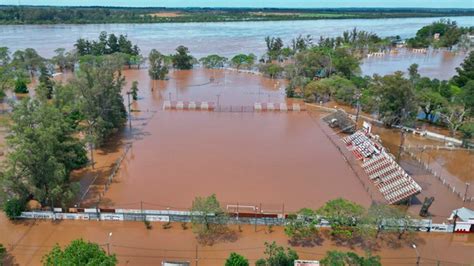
464	214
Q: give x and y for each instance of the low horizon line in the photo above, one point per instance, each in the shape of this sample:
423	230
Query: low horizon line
244	7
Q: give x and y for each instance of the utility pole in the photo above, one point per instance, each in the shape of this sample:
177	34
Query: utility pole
417	254
108	244
129	110
465	192
197	257
358	110
402	136
91	147
141	210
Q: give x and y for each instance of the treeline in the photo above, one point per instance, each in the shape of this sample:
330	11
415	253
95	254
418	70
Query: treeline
329	69
49	133
83	15
442	33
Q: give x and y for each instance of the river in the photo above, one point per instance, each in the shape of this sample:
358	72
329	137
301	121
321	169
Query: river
231	38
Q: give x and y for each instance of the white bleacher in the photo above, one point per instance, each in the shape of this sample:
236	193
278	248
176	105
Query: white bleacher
270	107
204	106
391	180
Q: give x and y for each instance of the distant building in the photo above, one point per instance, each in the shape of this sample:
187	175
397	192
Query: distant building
436	36
463	220
306	263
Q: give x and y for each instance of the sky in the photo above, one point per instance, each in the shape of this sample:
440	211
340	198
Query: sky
252	3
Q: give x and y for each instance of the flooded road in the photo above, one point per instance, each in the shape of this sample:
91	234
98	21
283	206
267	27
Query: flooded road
28	241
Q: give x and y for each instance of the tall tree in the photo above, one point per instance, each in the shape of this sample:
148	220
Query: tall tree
236	260
44	150
99	84
213	61
343	216
208	217
465	71
79	252
278	256
158	69
396	101
182	60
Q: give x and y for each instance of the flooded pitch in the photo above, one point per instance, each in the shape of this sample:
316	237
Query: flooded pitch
281	160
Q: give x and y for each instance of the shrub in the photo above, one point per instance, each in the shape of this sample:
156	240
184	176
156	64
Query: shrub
21	86
13	208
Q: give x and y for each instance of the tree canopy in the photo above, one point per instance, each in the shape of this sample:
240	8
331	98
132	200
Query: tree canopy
80	253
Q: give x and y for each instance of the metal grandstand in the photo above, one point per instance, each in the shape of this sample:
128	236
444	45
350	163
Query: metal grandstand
390	179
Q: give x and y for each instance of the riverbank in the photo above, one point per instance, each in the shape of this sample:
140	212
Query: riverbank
21	15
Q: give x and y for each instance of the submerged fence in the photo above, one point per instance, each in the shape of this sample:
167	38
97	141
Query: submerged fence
100	214
461	190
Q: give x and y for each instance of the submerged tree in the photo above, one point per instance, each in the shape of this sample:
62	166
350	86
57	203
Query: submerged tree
134	90
343	216
213	61
182	60
301	228
158	69
99	85
277	255
208	218
339	258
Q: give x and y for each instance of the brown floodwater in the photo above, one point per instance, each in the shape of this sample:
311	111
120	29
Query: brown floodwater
281	160
28	241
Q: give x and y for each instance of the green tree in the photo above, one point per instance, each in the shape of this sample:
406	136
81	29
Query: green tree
134	90
395	98
301	228
60	59
79	253
339	258
98	86
381	218
21	86
46	82
182	60
236	260
274	47
3	254
465	72
208	218
28	60
43	151
345	63
278	256
272	70
158	68
6	73
467	130
243	60
213	61
13	208
343	216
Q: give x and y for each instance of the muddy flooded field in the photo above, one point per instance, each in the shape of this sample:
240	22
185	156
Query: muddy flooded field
280	160
283	161
28	241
